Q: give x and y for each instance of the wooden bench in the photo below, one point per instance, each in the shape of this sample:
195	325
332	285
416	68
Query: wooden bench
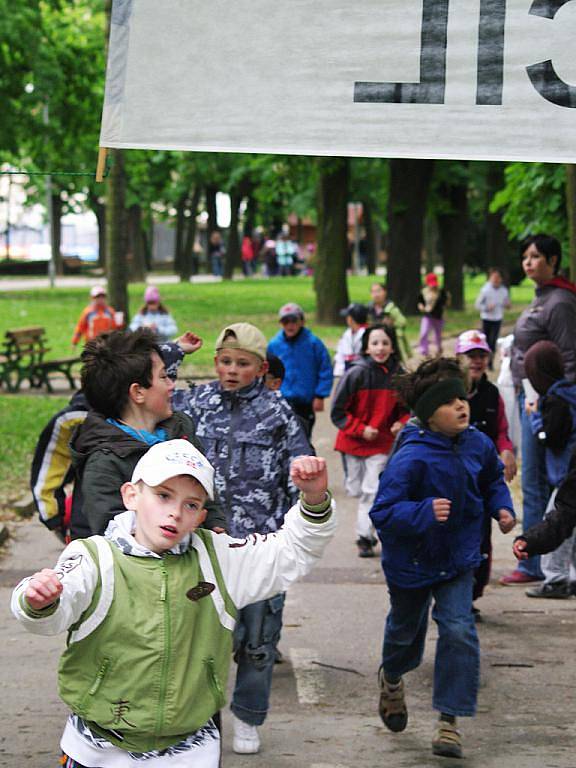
22	359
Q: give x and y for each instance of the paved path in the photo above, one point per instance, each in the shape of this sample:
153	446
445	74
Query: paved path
325	694
80	281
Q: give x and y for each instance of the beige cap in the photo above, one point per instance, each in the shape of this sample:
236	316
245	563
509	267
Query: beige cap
172	458
243	336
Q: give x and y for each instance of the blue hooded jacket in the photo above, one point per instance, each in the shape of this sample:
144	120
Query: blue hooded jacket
558	461
417	550
307	364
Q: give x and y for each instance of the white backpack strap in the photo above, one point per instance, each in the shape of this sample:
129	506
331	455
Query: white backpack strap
106	566
227	621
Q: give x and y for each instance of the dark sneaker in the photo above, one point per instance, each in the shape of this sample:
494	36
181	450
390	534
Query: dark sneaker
559	590
392	705
447	741
365	547
477	615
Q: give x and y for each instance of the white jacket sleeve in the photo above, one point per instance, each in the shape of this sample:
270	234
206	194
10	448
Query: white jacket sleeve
481	298
340	357
264	564
79	576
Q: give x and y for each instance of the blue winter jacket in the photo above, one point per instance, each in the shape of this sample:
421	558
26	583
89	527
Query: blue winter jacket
307	364
250	435
557	461
417	550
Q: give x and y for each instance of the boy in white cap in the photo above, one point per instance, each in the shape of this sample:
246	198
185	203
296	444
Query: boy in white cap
98	317
151	606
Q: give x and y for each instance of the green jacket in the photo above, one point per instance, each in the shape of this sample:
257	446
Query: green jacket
125	679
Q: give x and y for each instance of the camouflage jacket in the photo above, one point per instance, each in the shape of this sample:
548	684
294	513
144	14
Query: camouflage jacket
250	436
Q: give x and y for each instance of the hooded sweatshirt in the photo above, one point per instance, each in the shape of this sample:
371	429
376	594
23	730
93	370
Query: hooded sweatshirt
104	457
551	316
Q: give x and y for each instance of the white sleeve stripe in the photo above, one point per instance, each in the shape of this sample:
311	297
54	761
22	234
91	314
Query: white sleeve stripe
227	621
106	564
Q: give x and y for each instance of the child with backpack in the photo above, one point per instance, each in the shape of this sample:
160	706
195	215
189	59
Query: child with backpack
442	480
150	610
488	414
366	411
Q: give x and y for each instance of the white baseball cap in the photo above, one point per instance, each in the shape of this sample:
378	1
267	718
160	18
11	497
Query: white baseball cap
172	458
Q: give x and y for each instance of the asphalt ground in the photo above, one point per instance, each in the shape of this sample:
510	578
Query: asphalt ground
324	699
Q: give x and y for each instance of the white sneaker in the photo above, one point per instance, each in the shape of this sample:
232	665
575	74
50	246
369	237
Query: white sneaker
246	739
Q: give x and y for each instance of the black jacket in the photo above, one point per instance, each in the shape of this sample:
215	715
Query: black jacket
104	457
558	524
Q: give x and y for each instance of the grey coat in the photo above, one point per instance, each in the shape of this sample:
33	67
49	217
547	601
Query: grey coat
550	317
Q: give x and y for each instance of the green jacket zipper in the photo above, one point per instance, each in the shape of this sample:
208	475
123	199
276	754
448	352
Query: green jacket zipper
166	651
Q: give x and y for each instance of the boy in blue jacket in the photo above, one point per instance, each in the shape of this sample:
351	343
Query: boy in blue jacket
439	484
308	369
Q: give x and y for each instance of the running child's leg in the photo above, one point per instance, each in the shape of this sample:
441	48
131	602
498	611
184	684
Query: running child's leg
405	631
424	332
457	663
373	467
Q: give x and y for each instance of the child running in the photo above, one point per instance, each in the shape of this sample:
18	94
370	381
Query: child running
439	484
367	413
150	609
488	414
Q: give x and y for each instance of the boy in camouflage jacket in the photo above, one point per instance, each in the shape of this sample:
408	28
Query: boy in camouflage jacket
250	435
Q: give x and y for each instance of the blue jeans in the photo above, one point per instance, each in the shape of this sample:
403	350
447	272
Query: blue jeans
535	487
255	639
457	662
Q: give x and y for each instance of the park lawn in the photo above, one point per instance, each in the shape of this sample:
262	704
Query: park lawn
204	308
22	418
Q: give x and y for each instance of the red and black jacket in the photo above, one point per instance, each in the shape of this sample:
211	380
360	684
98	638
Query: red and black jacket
365	397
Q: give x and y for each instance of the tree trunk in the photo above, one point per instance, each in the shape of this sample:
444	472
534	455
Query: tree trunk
371	252
571	208
409	185
453	230
188	267
498	246
136	257
331	257
117	263
179	239
233	258
56	233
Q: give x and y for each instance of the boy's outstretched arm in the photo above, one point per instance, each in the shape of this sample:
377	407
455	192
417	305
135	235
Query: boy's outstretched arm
556	527
262	565
51	600
43	590
310	475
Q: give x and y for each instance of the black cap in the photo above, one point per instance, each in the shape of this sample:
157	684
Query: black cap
358	313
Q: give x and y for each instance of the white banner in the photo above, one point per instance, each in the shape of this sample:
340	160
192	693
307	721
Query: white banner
477	79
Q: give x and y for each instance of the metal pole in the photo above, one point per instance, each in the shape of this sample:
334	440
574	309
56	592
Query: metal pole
49	212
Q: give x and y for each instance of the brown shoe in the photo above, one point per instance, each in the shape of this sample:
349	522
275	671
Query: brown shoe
392	706
447	741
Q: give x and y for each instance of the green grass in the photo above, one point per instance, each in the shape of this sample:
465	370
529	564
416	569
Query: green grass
206	308
203	308
22	418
